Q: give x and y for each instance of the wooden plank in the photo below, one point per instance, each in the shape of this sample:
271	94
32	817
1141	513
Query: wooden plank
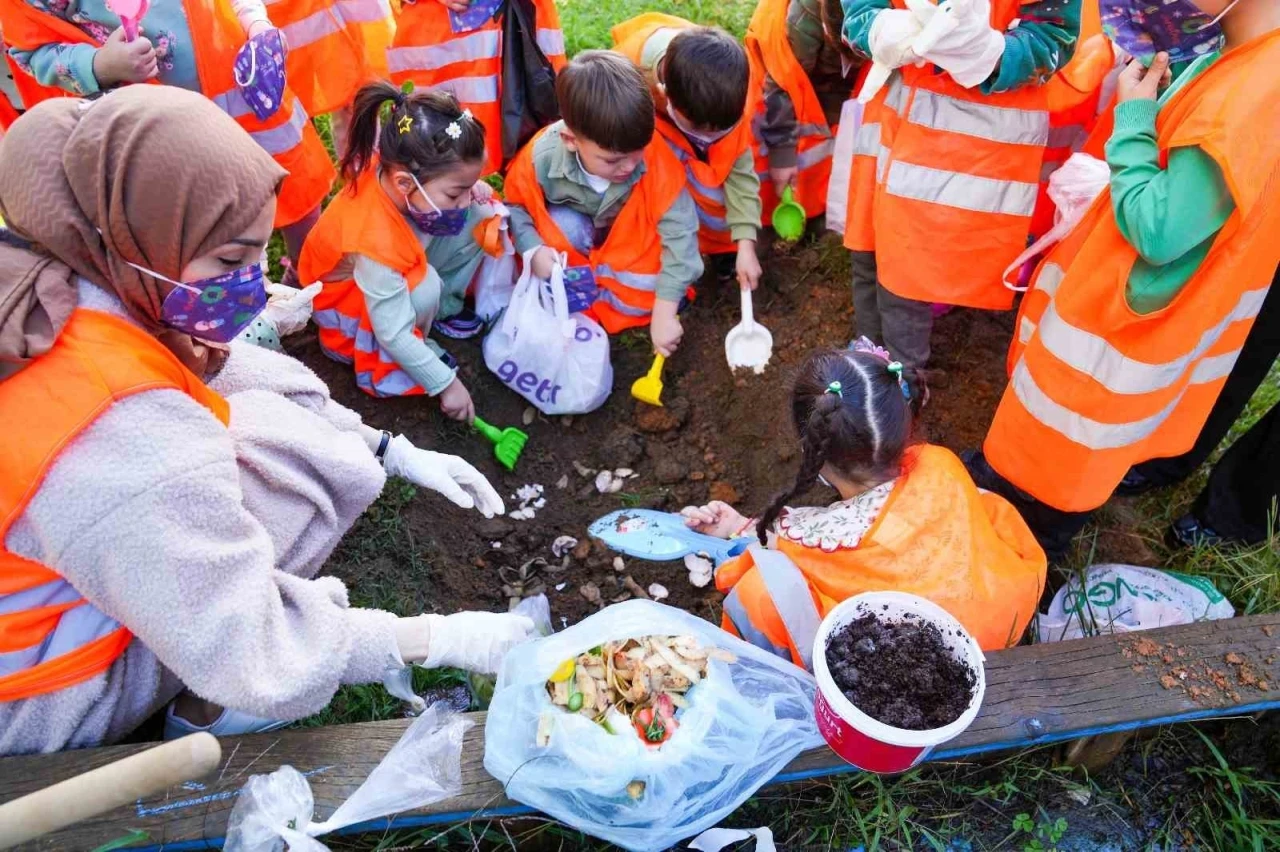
1035	694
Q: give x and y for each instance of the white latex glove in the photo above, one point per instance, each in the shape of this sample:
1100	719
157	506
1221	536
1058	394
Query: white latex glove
448	475
475	641
288	308
892	33
957	36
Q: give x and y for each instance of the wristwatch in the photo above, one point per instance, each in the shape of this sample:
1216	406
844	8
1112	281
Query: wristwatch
381	453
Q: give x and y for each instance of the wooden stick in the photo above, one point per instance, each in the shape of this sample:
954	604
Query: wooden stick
108	787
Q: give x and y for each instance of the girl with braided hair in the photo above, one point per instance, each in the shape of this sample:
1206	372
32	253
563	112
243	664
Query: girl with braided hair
909	517
396	250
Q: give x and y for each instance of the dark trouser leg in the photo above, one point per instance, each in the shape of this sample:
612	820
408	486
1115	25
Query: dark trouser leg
1256	357
866	297
907	327
1243	487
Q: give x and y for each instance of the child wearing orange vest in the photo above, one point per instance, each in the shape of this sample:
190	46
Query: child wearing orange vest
909	517
82	49
700	79
1135	321
412	191
947	163
456	45
808	74
598	189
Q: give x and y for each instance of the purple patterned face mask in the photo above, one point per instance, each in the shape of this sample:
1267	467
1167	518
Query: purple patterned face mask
436	222
213	309
1179	28
259	72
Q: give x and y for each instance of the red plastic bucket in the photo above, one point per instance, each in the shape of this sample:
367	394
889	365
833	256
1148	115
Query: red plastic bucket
855	736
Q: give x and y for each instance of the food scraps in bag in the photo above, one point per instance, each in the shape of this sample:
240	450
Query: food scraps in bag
631	683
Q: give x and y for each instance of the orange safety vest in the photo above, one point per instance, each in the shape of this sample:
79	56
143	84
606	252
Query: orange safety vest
945	181
50	636
428	52
363	220
335	47
288	135
938	536
770	52
628	265
705	176
1095	387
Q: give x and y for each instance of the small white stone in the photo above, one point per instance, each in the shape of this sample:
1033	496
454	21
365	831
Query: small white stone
529	414
616	486
560	586
563	482
496	545
563	545
526	493
700	569
604	481
657	591
624	473
618	564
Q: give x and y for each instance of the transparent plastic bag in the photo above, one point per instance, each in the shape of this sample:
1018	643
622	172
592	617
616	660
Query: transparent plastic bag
496	279
425	766
744	722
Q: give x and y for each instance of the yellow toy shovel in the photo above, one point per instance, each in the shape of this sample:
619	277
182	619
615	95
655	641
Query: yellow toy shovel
648	388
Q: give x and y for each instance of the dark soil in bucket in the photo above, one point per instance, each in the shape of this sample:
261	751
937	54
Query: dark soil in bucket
902	674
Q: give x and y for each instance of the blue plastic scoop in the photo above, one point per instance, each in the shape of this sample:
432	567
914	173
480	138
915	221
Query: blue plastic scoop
661	537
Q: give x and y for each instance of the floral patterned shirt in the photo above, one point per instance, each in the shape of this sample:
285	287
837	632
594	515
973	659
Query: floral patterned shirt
838	526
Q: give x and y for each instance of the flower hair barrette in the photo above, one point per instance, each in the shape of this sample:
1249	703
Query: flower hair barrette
454	130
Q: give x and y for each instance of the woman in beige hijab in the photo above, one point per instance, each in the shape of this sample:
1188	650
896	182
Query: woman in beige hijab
165	500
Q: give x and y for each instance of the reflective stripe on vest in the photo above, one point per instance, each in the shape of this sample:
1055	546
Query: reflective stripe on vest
331	319
610	298
790	594
76	627
475	90
867	142
997	124
394	383
1066	136
963	191
645	281
327	22
275	140
749	632
707	220
472	47
551	41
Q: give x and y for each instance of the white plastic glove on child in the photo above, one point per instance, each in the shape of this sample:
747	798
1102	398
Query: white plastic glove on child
288	308
890	39
957	36
475	641
448	475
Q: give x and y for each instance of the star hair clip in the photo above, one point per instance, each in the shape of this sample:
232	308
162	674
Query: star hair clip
454	130
405	124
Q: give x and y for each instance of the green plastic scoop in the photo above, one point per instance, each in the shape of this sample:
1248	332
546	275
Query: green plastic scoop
789	217
508	444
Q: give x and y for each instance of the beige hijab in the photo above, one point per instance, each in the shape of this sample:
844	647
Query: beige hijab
152	175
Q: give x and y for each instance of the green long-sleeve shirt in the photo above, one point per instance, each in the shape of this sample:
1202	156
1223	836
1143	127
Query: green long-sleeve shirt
742	185
1171	216
564	182
1042	44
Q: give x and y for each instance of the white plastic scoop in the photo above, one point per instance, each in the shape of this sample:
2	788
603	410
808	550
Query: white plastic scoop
748	344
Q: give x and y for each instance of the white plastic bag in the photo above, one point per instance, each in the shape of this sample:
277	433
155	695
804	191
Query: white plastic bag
555	360
425	766
496	278
744	722
1124	598
842	164
1072	188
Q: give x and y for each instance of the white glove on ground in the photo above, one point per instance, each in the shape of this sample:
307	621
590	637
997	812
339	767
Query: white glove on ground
957	36
448	475
475	641
890	39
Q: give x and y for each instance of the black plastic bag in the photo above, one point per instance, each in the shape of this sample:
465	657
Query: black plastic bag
528	79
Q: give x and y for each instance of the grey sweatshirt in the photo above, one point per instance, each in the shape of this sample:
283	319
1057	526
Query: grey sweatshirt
201	540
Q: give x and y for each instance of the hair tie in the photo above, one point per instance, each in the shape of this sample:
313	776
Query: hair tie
895	367
835	388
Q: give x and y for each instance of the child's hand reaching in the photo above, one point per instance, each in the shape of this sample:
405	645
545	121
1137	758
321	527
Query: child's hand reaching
544	260
715	519
455	402
119	61
748	265
1139	83
481	193
665	329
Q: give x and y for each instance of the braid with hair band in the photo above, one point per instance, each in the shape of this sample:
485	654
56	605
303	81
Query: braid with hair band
814	444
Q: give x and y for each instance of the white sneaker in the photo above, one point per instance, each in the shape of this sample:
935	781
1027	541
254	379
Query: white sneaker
229	723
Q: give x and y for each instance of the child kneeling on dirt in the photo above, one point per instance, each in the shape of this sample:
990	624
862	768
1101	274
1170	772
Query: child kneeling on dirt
412	189
699	78
909	517
600	188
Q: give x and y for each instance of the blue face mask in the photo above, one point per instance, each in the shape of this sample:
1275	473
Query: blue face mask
435	222
213	309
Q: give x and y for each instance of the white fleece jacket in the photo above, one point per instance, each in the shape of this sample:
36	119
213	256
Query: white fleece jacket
202	541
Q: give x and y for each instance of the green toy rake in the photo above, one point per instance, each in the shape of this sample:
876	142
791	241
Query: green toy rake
508	443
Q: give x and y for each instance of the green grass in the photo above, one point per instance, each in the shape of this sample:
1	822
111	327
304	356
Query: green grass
586	23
